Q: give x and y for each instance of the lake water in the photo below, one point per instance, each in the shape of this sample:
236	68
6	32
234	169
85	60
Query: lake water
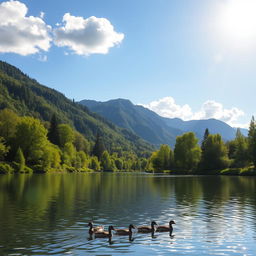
48	214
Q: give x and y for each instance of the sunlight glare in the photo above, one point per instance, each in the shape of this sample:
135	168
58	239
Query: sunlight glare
237	20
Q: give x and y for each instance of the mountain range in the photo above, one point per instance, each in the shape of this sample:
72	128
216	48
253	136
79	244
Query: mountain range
121	123
27	97
152	127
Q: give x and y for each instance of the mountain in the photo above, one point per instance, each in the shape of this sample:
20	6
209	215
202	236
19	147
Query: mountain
152	127
26	96
141	121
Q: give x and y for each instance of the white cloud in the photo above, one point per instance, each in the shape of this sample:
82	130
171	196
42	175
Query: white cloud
167	107
87	36
19	33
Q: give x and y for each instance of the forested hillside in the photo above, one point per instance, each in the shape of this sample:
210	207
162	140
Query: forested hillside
26	97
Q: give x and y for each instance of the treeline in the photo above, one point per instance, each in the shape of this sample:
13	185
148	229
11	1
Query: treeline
213	156
30	145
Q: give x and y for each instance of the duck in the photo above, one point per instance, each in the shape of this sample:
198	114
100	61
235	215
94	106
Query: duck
147	229
103	234
94	229
125	232
166	228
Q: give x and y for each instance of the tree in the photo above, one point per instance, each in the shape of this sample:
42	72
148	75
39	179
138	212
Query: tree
8	123
187	152
53	134
31	137
106	162
206	134
241	158
99	147
252	141
3	148
20	160
94	163
162	159
215	154
81	143
66	134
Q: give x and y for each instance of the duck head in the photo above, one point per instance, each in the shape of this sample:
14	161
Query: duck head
131	227
110	228
153	223
171	222
90	224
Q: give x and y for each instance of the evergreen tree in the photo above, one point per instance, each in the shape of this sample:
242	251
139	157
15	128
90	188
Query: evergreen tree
241	150
99	147
206	134
53	133
252	141
20	160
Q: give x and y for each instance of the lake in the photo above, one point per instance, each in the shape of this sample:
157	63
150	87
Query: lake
48	214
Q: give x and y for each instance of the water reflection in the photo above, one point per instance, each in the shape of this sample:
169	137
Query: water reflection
48	214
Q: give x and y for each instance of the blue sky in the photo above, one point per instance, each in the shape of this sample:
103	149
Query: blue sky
180	58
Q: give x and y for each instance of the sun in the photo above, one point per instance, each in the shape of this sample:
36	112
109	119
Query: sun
237	20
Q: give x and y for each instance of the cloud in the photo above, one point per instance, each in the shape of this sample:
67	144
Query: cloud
87	36
22	34
167	107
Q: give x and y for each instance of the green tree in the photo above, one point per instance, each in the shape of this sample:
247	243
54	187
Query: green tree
31	137
8	123
20	160
53	133
252	141
162	159
66	134
99	147
241	158
3	148
81	143
106	162
206	134
215	154
94	163
187	152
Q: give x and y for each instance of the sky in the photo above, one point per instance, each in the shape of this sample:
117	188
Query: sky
192	59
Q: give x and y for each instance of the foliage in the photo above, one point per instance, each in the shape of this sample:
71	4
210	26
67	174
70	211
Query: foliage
65	134
5	168
162	159
94	163
3	148
20	160
187	152
107	162
99	147
241	150
252	141
215	155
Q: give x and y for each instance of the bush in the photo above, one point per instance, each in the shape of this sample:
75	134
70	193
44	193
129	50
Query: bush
6	168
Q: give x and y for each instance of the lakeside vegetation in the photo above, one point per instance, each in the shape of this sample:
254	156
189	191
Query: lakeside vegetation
213	156
29	145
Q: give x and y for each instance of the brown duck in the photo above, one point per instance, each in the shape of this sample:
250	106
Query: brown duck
94	229
103	234
147	229
125	232
166	228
